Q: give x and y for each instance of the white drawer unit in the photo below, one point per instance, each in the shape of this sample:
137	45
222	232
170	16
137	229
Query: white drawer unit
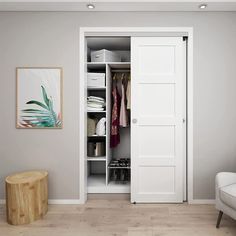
96	80
105	56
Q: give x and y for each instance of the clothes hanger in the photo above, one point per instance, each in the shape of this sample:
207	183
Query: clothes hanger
122	76
114	83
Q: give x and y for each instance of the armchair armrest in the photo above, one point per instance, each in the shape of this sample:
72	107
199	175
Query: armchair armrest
225	178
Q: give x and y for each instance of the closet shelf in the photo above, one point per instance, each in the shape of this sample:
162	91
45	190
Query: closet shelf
102	65
118	187
97	184
96	88
119	65
96	158
96	111
119	183
97	136
96	65
119	167
97	180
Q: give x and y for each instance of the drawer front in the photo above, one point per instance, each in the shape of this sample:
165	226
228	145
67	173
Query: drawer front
96	82
98	56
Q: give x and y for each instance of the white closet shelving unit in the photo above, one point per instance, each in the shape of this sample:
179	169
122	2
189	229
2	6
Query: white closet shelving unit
99	180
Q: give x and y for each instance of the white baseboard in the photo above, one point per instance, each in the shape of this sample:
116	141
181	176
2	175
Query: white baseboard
202	201
78	201
56	201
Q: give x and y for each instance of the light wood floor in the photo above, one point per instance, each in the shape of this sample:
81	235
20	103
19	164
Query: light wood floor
119	217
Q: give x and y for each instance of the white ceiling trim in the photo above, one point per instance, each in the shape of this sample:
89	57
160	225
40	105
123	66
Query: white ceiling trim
116	5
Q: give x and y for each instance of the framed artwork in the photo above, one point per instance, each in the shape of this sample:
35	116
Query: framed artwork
39	97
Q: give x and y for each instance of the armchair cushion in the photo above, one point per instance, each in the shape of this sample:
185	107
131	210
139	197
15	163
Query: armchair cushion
225	178
228	195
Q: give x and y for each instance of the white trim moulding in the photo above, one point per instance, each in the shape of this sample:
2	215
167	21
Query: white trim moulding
78	201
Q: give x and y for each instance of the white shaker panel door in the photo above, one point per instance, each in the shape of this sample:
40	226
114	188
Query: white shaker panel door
157	90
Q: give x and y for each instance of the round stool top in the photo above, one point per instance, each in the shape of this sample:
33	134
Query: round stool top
26	177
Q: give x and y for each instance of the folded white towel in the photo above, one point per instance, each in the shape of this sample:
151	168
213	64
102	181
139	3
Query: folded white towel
96	102
95	109
94	98
95	105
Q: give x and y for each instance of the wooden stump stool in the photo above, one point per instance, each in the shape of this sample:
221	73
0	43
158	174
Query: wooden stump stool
26	197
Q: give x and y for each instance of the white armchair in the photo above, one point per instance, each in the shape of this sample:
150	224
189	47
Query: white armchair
226	195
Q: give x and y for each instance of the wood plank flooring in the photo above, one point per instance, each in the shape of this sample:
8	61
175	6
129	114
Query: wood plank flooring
120	218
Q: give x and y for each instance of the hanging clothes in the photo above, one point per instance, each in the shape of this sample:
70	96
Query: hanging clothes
115	135
128	94
123	110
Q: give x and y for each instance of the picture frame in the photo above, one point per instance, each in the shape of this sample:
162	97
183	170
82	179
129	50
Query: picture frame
39	98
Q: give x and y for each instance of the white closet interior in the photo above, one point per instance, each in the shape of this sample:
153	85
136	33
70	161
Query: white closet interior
100	176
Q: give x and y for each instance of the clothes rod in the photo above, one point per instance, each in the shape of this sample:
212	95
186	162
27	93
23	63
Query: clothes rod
121	71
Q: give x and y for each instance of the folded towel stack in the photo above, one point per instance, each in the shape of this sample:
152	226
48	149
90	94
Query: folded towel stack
95	103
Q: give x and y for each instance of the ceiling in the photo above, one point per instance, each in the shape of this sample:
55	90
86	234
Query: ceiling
116	5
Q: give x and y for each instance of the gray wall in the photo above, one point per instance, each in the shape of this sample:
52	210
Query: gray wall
52	39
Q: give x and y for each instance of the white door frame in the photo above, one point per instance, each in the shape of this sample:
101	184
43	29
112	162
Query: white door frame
135	31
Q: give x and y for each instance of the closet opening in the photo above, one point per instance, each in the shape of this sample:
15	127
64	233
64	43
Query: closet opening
148	151
108	114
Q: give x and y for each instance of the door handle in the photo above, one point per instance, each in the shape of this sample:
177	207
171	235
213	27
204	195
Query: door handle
134	121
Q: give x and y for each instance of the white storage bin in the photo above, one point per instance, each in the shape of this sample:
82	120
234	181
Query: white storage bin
105	56
96	80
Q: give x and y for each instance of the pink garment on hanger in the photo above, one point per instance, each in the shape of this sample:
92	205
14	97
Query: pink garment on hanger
128	95
115	135
123	111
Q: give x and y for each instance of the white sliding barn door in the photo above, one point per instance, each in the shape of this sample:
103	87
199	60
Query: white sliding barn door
157	90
